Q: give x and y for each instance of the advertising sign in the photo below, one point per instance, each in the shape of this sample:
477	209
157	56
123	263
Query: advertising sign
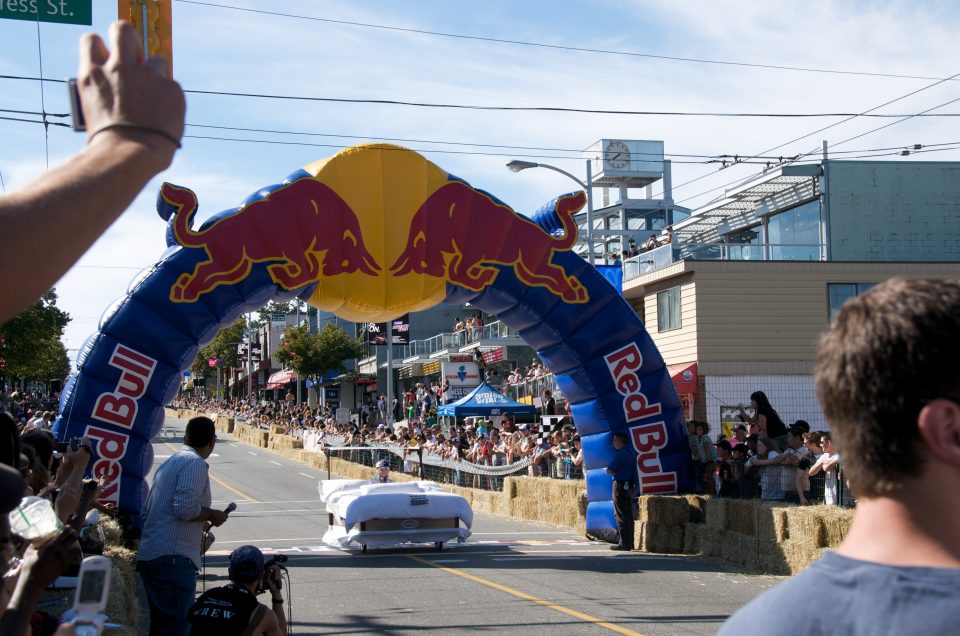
463	377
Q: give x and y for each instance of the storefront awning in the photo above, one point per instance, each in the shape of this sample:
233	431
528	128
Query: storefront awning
684	377
279	379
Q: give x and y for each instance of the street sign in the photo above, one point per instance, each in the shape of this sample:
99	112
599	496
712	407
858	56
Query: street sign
59	11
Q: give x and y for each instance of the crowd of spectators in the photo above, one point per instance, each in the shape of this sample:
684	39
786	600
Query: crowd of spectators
800	466
532	371
32	464
472	441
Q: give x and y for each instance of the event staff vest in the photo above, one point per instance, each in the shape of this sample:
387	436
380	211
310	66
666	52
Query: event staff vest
222	610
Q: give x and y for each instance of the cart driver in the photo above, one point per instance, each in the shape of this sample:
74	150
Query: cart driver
383	473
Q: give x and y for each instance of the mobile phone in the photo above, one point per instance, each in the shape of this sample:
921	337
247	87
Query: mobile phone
79	123
90	598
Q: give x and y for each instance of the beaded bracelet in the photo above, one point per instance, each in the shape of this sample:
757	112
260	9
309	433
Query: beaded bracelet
132	126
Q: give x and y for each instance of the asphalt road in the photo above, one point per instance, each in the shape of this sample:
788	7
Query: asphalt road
511	576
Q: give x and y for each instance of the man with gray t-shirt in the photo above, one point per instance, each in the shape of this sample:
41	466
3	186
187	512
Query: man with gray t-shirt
887	378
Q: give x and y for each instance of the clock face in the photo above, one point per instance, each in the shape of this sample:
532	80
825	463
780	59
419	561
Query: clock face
617	155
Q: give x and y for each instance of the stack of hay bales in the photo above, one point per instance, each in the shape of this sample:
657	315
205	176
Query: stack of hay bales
225	424
284	444
543	499
662	523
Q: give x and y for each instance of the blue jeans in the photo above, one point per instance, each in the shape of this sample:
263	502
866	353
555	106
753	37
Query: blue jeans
171	584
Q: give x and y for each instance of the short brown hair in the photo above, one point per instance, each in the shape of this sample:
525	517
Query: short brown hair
888	353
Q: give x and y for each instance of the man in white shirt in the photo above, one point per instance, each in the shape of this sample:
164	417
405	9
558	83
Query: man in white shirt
173	517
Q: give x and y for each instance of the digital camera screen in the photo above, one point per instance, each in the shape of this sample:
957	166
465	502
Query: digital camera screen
91	586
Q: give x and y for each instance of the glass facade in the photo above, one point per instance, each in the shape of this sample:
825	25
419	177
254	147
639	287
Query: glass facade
794	235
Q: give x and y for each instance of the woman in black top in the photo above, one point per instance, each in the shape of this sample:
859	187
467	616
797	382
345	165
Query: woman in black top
766	421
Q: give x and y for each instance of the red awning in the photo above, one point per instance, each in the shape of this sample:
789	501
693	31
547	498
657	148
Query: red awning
280	378
684	377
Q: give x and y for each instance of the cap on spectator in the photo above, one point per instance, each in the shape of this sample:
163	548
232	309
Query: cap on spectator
383	464
524	427
12	486
740	448
741	427
724	444
246	562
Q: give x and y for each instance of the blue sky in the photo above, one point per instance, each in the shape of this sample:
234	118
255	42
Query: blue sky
221	49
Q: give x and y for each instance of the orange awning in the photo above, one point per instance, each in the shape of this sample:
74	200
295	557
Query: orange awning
684	377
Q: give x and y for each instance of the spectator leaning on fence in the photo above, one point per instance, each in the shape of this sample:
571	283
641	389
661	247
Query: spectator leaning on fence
887	377
827	462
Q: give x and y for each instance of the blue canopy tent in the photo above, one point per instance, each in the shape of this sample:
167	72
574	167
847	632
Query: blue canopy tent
484	400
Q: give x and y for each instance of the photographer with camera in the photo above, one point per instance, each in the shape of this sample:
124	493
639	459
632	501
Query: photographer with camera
234	609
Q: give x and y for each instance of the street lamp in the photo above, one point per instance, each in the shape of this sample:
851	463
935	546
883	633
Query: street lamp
517	165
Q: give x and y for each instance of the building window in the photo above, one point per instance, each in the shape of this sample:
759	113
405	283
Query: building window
794	235
839	293
668	309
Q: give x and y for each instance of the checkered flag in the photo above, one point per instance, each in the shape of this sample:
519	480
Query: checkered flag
548	424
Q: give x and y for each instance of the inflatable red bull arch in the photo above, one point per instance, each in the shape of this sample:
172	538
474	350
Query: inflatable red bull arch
370	234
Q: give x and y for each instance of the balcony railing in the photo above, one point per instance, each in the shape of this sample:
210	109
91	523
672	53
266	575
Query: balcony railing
663	256
444	341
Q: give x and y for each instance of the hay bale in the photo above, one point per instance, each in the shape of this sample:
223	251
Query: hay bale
122	606
742	516
664	511
716	513
742	549
805	524
772	524
662	539
798	555
711	541
697	505
693	538
836	524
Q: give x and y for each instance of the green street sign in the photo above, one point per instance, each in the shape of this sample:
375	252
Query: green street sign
61	11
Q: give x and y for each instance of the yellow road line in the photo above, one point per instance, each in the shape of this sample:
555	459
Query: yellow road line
527	597
220	481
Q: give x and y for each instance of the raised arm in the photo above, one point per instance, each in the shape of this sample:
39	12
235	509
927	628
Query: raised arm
135	116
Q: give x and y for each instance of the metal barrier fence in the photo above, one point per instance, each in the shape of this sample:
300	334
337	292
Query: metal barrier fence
420	462
744	480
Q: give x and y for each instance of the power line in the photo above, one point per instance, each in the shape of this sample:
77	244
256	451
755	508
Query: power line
420	150
735	159
535	109
559	47
819	130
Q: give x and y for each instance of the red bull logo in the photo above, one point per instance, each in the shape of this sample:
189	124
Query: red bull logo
460	233
305	230
367	206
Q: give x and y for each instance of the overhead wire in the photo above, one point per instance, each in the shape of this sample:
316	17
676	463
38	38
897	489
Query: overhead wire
810	134
560	47
536	109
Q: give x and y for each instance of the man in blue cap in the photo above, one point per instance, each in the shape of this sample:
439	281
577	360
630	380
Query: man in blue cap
233	609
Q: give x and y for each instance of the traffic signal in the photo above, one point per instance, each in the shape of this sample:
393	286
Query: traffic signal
159	25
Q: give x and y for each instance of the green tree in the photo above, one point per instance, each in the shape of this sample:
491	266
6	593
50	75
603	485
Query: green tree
312	355
272	307
32	349
223	349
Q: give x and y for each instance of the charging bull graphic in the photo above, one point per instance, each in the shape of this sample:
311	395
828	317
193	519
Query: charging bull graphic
304	229
460	232
370	234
